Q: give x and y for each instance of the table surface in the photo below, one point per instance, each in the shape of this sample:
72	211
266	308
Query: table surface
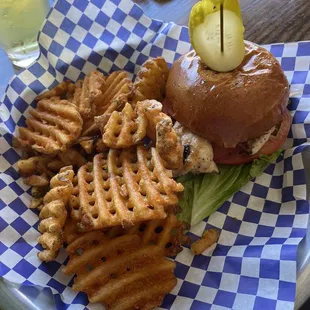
266	21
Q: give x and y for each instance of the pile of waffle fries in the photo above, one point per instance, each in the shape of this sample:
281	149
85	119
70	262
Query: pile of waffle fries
94	155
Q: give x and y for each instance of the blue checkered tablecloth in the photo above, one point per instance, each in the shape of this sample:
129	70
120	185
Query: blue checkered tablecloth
254	263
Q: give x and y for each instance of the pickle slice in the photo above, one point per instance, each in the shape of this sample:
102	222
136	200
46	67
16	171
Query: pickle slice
205	34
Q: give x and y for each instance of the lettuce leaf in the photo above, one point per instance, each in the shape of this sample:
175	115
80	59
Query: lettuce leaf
205	193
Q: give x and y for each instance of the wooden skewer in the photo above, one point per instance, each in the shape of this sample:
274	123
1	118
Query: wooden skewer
222	26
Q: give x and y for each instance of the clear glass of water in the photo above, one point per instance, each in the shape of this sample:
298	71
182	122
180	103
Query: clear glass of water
20	21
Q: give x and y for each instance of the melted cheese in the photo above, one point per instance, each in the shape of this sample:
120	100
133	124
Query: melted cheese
256	144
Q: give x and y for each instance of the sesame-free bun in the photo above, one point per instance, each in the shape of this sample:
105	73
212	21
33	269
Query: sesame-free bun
232	107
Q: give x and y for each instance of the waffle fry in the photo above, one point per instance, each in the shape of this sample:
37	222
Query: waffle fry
92	145
36	203
70	231
72	157
152	110
160	129
168	144
53	214
120	272
74	201
60	90
55	125
209	237
168	233
151	80
118	85
125	129
35	165
118	89
89	94
125	187
37	172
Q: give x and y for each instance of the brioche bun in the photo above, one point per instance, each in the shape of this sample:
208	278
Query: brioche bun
228	108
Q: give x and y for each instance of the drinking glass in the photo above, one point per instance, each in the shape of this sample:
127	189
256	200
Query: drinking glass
20	21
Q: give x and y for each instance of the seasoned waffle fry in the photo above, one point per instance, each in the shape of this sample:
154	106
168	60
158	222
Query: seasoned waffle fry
53	214
209	237
60	90
152	110
168	234
38	170
125	129
125	187
89	94
72	157
118	92
92	144
36	173
160	129
37	180
55	125
70	231
36	203
74	201
36	165
168	144
120	272
118	85
151	80
38	191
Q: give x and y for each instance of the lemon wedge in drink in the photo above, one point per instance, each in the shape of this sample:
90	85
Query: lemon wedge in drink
224	54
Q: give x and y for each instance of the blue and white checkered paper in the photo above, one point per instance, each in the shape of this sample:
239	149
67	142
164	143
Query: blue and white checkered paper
254	263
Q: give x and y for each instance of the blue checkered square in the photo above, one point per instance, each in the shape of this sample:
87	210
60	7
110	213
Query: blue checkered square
212	279
288	252
248	285
286	291
303	49
18	206
269	269
224	299
264	303
73	45
67	25
63	7
56	48
253	251
252	216
24	268
189	290
21	247
233	265
288	63
11	156
81	4
85	22
20	225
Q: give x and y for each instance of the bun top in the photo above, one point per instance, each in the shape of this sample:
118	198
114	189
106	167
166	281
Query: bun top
232	107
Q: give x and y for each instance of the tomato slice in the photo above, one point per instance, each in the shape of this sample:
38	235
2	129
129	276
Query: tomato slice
167	107
237	155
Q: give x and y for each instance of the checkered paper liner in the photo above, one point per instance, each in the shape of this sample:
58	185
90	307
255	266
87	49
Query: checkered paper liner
254	263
